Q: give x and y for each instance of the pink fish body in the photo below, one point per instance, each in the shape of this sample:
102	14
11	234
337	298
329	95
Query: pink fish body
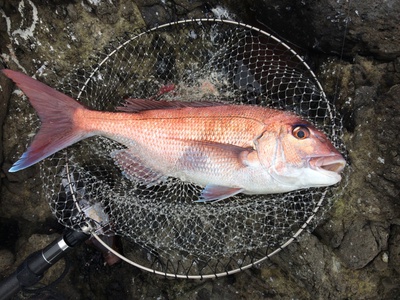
227	149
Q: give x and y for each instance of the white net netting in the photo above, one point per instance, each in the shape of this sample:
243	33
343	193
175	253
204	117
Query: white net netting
163	229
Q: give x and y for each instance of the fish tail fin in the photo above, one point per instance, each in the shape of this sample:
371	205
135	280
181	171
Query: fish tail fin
56	111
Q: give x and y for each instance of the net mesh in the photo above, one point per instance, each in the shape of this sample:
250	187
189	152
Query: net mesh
162	228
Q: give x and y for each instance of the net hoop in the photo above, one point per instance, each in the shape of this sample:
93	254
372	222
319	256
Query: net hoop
310	219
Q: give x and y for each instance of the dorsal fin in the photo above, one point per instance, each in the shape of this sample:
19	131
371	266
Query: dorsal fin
137	105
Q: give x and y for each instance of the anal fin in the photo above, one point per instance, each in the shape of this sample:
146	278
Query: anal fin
134	169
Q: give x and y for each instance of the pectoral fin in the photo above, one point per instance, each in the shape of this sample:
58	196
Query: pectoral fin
214	192
203	155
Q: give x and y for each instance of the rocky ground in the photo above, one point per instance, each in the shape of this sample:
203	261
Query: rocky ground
353	47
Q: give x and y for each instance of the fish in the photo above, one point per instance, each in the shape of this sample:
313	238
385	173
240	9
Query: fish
224	148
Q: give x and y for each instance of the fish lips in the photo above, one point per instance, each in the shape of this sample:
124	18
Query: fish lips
332	164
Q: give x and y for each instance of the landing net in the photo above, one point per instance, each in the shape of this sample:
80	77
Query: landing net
162	229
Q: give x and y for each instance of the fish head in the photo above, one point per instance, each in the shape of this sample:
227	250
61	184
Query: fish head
298	155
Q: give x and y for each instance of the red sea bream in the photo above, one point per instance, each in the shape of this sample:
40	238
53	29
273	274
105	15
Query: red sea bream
227	149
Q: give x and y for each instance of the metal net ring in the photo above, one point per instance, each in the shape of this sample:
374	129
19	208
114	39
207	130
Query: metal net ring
162	229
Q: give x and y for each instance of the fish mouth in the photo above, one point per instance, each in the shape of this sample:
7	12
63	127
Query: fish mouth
331	163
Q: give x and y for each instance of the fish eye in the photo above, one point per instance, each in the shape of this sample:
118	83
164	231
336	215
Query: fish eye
301	132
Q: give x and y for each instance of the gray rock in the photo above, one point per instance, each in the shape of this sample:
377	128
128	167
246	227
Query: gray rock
7	259
353	254
362	243
362	27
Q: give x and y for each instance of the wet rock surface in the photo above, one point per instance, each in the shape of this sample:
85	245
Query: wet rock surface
372	26
353	254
